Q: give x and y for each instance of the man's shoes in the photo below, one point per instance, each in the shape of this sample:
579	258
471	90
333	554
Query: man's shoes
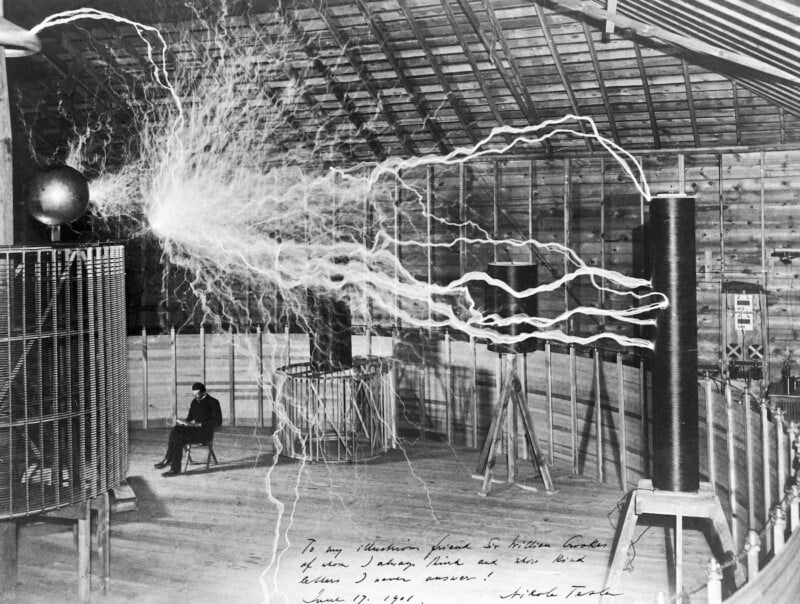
161	464
169	473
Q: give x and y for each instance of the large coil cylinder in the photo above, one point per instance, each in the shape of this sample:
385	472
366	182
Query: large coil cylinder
329	332
519	277
63	376
676	461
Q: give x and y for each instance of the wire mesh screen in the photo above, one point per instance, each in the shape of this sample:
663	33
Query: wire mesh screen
63	376
335	416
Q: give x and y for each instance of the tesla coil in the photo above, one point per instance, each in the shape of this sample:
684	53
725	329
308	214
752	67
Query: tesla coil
63	382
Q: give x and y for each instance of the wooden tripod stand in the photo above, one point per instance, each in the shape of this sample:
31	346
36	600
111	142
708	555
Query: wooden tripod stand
510	393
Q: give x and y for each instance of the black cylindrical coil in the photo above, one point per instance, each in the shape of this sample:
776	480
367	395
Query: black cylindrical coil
676	461
519	277
329	333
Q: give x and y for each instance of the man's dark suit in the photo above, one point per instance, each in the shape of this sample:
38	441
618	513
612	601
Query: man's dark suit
205	411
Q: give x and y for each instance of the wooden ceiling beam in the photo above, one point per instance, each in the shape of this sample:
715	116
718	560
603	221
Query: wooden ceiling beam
513	80
648	97
487	92
461	112
562	74
647	31
690	101
363	75
347	104
600	81
428	119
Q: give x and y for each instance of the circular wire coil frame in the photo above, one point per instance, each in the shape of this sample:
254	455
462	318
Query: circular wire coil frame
337	416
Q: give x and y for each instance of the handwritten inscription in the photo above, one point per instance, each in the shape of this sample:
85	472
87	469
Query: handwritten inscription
494	569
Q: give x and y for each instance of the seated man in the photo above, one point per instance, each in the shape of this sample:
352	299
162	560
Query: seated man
204	417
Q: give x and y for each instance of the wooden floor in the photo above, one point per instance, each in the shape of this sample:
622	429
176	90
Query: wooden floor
406	528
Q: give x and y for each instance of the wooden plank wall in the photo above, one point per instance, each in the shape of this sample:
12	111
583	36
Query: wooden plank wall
747	205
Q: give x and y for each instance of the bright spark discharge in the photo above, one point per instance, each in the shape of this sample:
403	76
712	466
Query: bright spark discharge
241	208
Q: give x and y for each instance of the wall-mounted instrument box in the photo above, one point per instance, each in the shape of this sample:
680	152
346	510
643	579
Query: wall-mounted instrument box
743	325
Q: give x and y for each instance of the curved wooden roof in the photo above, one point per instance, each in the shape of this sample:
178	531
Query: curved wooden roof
407	77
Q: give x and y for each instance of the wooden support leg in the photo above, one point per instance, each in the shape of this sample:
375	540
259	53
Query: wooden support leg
533	443
84	552
104	539
622	542
679	557
8	547
494	428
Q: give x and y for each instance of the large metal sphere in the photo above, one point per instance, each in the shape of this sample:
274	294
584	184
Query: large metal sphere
58	195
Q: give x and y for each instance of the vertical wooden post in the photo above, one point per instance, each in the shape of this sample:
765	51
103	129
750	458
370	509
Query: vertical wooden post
548	363
781	449
104	539
567	235
765	465
598	415
462	219
6	171
573	407
623	441
260	378
524	360
712	462
429	236
601	292
531	197
393	374
397	249
731	463
474	391
495	207
202	353
448	395
173	346
752	548
793	494
778	518
84	552
232	376
748	436
714	575
145	394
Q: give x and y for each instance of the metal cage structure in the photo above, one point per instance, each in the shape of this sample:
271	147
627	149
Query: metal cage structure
63	376
338	416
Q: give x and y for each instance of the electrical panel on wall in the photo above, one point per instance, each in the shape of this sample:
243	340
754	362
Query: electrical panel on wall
743	324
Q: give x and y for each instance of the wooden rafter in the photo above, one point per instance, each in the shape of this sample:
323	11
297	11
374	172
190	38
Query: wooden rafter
562	74
461	112
690	101
601	81
347	104
647	31
363	75
648	97
487	92
513	80
428	120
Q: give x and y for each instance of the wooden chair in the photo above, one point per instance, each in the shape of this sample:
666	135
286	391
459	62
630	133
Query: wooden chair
209	444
